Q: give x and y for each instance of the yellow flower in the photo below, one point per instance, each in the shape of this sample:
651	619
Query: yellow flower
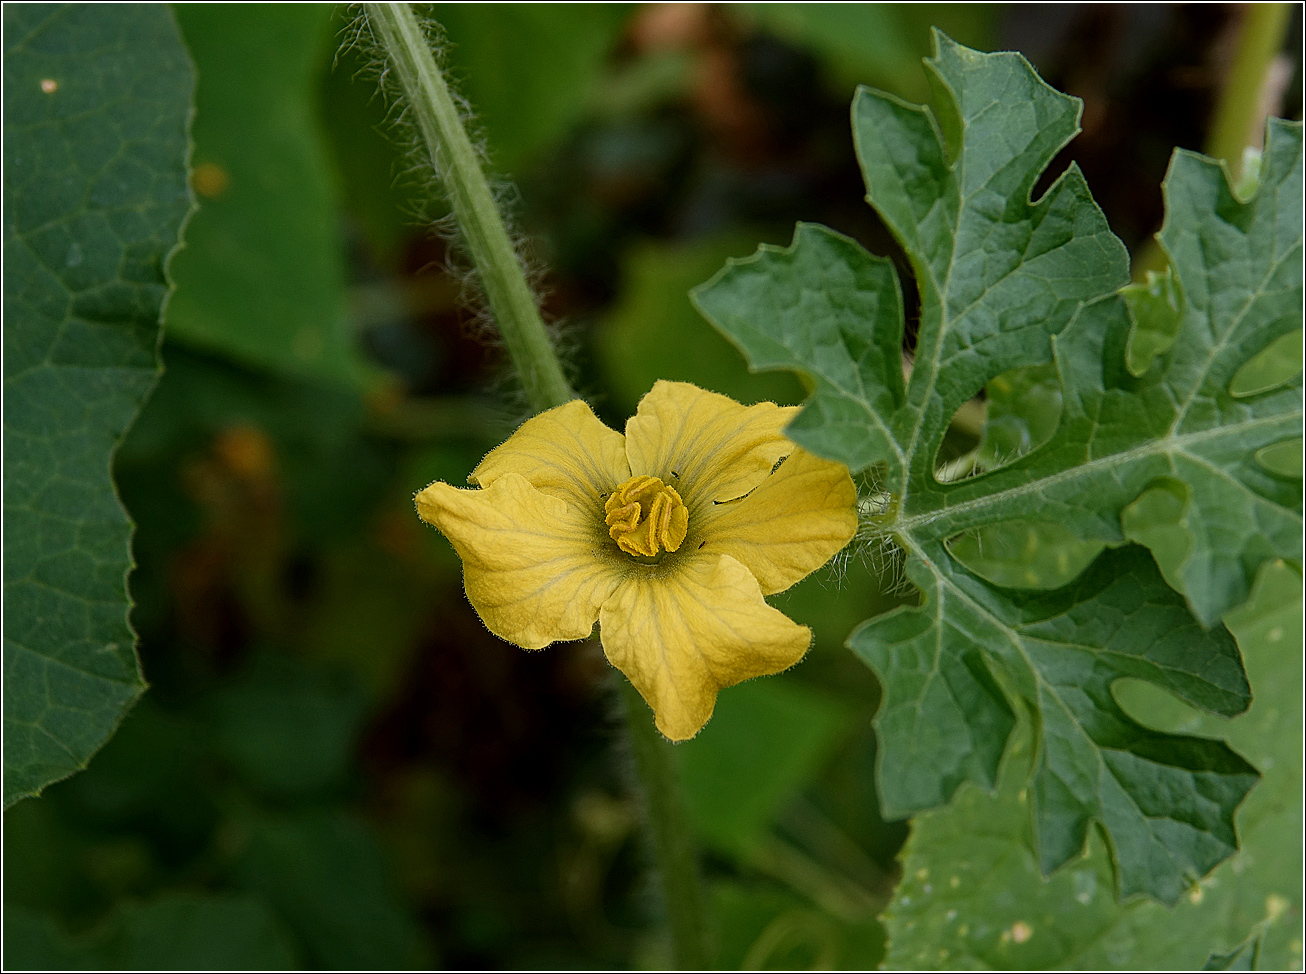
668	537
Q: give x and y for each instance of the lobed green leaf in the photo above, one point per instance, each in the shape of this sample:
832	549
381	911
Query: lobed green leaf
1011	287
973	894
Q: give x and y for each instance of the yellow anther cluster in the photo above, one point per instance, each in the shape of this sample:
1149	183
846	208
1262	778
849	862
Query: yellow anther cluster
644	516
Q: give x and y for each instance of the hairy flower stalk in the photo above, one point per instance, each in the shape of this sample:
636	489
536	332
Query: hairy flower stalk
454	160
504	284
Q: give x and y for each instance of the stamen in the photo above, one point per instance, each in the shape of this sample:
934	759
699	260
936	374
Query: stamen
645	516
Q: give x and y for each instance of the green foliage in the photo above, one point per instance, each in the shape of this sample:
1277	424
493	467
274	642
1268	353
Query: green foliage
761	928
336	766
287	728
1025	554
303	884
765	742
1244	957
262	276
325	873
1005	283
176	932
97	101
654	333
973	895
877	43
526	70
1155	315
1024	406
1269	368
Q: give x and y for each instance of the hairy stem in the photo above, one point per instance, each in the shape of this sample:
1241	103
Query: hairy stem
455	162
671	839
532	353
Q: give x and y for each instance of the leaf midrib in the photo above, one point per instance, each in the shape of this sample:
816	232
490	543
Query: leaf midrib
946	321
1169	445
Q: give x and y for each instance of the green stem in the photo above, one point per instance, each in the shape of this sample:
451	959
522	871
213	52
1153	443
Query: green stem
671	839
1238	114
532	353
1238	119
455	161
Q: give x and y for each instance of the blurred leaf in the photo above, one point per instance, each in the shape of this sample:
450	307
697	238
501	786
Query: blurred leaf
765	741
262	276
527	70
1023	408
178	931
287	727
325	875
329	470
187	932
761	928
151	779
973	896
653	332
41	868
374	178
1154	316
368	616
1241	958
845	795
877	43
97	100
34	941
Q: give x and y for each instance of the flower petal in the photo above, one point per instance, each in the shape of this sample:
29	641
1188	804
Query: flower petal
535	569
563	451
707	446
683	634
791	525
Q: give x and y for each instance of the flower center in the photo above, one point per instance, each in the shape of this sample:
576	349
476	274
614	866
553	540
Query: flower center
644	516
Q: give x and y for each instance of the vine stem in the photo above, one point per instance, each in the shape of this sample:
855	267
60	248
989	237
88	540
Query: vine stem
456	163
1238	120
672	841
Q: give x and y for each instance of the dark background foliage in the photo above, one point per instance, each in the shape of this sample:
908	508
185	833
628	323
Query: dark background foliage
332	743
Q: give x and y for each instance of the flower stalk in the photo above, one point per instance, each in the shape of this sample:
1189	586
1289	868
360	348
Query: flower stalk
531	350
672	843
1239	118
